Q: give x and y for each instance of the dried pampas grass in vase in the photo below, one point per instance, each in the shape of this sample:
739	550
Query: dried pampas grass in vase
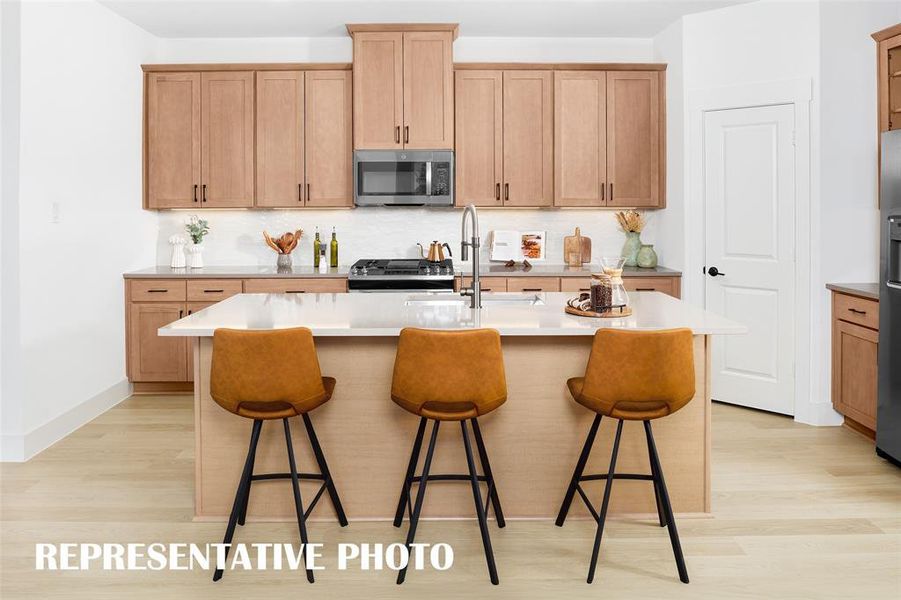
631	222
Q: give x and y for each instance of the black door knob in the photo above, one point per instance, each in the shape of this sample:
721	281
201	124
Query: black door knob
713	272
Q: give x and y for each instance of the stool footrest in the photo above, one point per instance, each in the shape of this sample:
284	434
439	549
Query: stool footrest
447	477
264	476
602	476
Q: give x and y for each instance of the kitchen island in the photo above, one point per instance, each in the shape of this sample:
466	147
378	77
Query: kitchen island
533	440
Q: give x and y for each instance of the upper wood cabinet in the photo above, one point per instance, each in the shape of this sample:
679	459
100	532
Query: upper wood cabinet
580	138
280	139
172	153
504	144
199	140
634	144
403	89
888	77
479	156
303	145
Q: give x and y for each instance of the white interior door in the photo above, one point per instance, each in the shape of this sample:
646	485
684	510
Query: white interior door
749	195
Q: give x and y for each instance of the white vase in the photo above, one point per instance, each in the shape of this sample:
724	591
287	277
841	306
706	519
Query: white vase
196	251
178	256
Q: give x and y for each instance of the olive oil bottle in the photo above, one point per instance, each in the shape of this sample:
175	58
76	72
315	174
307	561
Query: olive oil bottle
333	246
317	245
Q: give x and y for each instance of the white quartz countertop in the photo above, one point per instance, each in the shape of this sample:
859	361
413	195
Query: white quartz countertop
385	314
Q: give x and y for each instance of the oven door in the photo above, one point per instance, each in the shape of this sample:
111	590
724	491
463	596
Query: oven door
414	178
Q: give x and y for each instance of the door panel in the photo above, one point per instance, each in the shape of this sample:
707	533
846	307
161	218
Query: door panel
580	138
528	138
855	352
227	139
280	139
329	138
378	90
633	139
152	357
749	197
173	140
479	142
428	90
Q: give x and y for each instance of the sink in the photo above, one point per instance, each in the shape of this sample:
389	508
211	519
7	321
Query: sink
499	299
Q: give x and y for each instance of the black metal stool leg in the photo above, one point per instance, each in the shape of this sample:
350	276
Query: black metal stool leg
298	504
480	511
408	478
242	516
667	507
660	516
323	468
420	496
602	516
577	473
240	494
489	476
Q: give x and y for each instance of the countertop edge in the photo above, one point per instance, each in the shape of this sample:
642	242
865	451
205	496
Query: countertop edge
861	290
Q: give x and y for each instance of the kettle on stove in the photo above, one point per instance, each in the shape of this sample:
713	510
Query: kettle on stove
436	251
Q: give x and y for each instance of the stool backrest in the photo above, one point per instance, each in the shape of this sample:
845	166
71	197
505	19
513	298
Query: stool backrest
635	368
450	367
278	368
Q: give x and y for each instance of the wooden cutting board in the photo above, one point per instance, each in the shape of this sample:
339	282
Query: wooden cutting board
577	243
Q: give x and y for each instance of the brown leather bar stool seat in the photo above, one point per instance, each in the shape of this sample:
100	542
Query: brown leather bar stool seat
470	383
267	375
632	376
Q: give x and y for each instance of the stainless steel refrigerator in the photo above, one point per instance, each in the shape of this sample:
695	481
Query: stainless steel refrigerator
888	409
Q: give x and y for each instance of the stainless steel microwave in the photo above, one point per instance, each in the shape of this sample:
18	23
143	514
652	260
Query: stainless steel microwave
404	178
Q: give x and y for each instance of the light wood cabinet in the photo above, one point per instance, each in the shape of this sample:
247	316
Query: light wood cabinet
528	139
172	137
580	138
403	89
295	285
303	141
888	77
855	345
479	137
533	284
226	138
280	139
151	357
634	147
669	284
329	139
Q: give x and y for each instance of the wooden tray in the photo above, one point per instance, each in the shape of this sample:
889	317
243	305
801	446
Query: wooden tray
607	314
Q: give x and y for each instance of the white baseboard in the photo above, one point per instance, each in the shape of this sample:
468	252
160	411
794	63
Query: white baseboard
19	448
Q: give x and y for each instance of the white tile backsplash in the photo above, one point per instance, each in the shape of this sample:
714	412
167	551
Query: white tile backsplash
236	237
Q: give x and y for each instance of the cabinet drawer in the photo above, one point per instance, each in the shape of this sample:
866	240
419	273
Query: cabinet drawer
650	284
213	290
855	310
533	284
295	286
489	284
575	284
144	290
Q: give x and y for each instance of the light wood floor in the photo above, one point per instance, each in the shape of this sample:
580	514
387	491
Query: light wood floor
799	512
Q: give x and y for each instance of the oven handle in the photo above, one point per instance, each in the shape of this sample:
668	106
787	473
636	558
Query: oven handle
428	178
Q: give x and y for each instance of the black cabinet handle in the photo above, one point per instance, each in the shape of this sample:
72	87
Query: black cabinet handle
857	312
308	193
300	192
213	291
531	289
611	192
645	290
397	134
157	291
406	134
189	312
506	191
203	192
195	192
181	313
295	291
603	192
497	191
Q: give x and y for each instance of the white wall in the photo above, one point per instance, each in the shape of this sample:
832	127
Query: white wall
80	159
379	232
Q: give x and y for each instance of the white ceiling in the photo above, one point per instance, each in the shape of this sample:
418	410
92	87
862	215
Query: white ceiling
486	18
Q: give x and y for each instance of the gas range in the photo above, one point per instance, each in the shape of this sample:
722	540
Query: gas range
404	274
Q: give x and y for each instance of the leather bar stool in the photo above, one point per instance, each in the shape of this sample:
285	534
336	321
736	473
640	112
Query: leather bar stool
632	376
471	384
268	375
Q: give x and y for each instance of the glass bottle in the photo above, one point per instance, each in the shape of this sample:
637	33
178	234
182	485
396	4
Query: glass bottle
613	268
316	249
333	246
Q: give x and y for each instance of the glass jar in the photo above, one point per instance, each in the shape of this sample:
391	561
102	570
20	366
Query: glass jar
613	269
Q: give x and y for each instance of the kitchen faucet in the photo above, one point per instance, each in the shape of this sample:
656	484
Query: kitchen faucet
475	291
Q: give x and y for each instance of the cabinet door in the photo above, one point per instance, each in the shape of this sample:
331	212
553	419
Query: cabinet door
479	137
193	307
378	90
854	373
667	285
280	139
173	140
155	358
633	139
329	139
533	284
428	90
528	139
299	285
227	139
580	138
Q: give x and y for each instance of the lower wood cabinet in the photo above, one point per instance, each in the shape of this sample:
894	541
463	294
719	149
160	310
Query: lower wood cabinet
151	357
533	284
855	345
671	286
323	285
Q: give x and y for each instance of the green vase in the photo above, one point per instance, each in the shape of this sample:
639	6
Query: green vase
631	248
647	258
